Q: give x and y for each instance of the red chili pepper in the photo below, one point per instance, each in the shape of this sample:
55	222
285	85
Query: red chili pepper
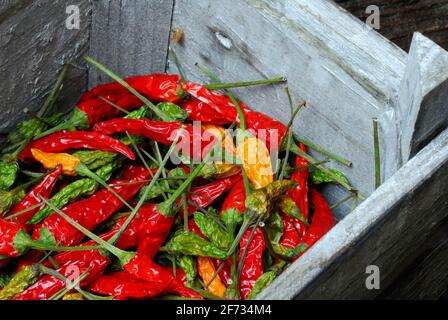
200	111
97	109
253	264
148	230
293	228
190	142
121	285
235	199
158	87
92	211
322	220
66	140
43	189
92	262
8	232
256	122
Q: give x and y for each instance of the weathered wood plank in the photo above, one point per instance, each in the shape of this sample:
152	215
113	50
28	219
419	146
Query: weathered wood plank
401	18
130	37
381	231
423	98
34	45
346	72
427	277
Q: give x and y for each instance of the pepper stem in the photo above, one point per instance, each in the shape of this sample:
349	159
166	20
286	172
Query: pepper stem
116	78
83	170
229	93
148	189
122	255
245	225
227	85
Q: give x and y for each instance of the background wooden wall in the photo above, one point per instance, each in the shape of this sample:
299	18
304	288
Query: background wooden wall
400	18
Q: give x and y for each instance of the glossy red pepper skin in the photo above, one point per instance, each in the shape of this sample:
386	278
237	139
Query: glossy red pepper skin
322	220
148	230
293	228
224	107
91	261
235	199
177	286
253	264
93	210
191	141
8	232
121	285
200	111
97	109
44	189
66	140
156	87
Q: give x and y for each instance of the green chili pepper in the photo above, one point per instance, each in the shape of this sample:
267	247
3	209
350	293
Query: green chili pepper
138	114
213	231
8	173
289	252
27	129
318	176
20	281
75	190
173	111
288	206
275	227
95	159
157	190
8	199
189	243
4	279
231	218
189	265
265	280
261	201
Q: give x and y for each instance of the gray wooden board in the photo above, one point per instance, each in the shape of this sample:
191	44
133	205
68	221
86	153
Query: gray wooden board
346	72
34	45
427	277
129	37
389	229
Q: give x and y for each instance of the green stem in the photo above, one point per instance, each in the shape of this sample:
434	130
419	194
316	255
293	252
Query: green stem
376	144
330	155
49	102
227	85
116	78
176	62
83	170
113	105
122	255
246	223
148	189
229	93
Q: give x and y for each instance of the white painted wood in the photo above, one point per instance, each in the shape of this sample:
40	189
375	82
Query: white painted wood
423	97
389	229
346	72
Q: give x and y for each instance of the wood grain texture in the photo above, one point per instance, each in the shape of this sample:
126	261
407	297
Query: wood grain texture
427	277
390	229
129	37
347	73
401	18
34	45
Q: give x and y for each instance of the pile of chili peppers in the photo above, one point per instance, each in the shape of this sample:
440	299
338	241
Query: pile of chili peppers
94	206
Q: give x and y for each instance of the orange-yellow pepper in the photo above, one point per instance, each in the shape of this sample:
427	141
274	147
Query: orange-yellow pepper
255	159
206	271
51	160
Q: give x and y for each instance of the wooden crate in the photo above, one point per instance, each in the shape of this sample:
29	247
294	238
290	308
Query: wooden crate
346	72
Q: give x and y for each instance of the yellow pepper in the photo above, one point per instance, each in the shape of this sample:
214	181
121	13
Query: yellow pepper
255	159
73	296
51	160
206	271
221	169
